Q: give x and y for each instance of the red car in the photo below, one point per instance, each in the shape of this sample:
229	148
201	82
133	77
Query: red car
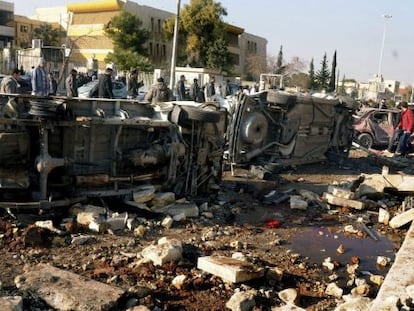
373	127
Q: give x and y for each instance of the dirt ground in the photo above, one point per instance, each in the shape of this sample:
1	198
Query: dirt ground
268	234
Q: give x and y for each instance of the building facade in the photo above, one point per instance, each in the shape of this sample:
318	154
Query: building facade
6	24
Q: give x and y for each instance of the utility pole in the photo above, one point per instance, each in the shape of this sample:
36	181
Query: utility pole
386	18
174	47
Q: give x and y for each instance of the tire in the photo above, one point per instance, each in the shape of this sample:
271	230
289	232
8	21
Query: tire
198	114
254	128
365	140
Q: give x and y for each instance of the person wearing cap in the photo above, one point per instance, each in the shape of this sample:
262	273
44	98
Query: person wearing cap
133	85
40	85
105	84
71	84
159	92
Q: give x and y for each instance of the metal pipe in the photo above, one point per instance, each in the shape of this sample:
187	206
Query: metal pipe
174	47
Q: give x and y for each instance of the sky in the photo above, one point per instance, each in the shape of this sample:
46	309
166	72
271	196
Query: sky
310	28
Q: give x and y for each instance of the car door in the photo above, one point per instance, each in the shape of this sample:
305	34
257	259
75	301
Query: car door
381	123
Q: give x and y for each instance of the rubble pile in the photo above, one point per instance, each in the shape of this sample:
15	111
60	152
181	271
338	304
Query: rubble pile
100	259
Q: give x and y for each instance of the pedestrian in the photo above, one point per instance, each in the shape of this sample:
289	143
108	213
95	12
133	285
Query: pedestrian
402	132
181	88
52	84
382	104
210	90
133	85
71	84
159	92
40	85
228	88
10	85
195	92
105	84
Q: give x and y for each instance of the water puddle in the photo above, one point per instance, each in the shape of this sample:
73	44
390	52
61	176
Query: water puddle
320	243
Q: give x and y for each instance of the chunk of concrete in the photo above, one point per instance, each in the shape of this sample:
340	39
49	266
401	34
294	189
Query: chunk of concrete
162	199
167	222
90	213
334	290
144	194
166	250
242	301
11	303
179	281
289	295
288	307
296	202
331	199
402	219
65	290
229	269
354	303
341	192
383	216
187	209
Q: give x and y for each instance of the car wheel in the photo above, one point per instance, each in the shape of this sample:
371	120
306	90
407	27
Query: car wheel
254	128
365	140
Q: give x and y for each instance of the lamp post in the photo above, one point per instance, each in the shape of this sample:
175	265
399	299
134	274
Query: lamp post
174	47
386	18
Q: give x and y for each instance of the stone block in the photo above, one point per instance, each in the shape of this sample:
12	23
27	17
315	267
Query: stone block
188	209
341	192
229	269
64	290
162	199
166	250
242	301
331	199
144	194
402	219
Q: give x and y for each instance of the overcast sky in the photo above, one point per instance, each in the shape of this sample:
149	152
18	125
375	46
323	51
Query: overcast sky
307	29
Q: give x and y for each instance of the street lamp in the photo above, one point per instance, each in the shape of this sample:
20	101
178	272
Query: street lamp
174	47
386	18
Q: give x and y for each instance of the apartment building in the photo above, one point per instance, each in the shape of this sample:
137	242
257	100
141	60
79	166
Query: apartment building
6	24
85	21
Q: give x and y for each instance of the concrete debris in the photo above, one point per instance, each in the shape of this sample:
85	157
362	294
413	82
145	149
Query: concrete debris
340	249
288	307
334	290
333	200
229	269
376	279
11	303
242	301
383	261
350	229
82	239
296	202
89	213
166	250
354	303
188	209
328	263
289	295
383	216
341	192
48	224
144	194
65	290
179	281
162	199
139	231
377	183
167	222
402	219
117	221
361	290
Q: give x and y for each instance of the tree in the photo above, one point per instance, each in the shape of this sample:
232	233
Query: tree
255	65
279	61
129	40
312	78
49	35
202	33
332	80
322	76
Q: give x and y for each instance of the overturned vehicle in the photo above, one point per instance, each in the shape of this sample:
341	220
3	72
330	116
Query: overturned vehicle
275	129
58	151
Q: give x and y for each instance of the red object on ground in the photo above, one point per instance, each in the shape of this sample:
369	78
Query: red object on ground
272	223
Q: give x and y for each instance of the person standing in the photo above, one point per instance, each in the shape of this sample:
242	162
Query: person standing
159	92
195	92
181	88
10	84
40	85
402	132
105	84
71	84
210	89
133	85
52	84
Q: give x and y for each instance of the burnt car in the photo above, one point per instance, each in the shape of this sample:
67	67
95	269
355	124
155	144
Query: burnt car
374	127
276	129
60	150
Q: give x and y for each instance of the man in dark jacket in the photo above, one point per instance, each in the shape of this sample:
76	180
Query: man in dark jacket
133	85
71	84
181	88
105	84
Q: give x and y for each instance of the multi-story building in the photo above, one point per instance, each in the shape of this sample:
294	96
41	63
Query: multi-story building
6	24
85	23
23	31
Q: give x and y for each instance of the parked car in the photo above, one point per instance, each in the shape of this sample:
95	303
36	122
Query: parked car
276	129
90	89
374	127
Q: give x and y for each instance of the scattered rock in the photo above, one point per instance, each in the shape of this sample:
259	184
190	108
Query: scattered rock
289	295
296	202
165	251
242	301
144	194
11	303
402	219
333	290
179	281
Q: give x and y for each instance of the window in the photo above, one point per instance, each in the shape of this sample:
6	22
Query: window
152	24
164	50
159	25
24	28
158	50
150	49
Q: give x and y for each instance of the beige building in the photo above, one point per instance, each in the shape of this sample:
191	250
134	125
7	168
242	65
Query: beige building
85	23
6	24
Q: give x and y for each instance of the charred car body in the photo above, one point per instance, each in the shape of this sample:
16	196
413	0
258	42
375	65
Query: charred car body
276	129
58	151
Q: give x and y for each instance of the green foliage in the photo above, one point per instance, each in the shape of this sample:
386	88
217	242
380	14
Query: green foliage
312	79
201	34
332	80
279	62
49	35
129	40
127	59
323	75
